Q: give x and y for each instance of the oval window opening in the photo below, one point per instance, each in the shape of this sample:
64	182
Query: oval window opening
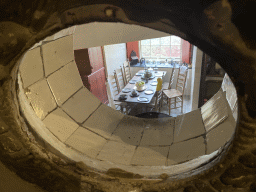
147	103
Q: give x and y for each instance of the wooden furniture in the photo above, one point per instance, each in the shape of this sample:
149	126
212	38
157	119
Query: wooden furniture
177	93
119	78
115	91
157	102
167	85
127	71
90	65
142	93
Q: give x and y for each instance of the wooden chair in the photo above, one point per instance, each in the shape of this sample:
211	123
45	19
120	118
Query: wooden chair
120	79
115	89
167	85
177	93
127	71
157	102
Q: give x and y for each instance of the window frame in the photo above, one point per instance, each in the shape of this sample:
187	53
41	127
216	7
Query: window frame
161	58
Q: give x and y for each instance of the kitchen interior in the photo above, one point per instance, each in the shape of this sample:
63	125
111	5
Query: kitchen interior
163	52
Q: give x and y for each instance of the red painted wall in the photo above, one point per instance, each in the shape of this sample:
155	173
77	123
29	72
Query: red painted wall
132	46
186	52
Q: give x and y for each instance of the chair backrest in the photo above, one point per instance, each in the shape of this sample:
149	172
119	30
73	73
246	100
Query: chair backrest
114	84
181	79
171	79
127	71
118	74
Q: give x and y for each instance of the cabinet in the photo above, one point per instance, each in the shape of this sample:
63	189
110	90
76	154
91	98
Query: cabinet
90	65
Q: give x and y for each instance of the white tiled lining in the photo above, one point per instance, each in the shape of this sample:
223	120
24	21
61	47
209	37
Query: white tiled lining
158	132
41	98
214	111
104	121
120	153
221	134
188	125
186	150
129	130
60	124
57	53
65	82
86	142
31	68
81	105
150	156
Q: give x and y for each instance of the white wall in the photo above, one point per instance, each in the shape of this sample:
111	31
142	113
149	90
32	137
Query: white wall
196	76
99	34
115	56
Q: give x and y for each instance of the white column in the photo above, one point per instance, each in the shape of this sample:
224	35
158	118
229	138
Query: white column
196	77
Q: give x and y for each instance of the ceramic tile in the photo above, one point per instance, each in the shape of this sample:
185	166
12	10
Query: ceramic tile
41	98
31	67
60	124
129	130
158	132
214	111
188	125
86	142
65	82
116	152
81	105
104	120
150	156
219	135
186	150
57	53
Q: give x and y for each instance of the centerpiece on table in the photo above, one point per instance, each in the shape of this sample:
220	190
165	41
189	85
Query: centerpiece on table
140	85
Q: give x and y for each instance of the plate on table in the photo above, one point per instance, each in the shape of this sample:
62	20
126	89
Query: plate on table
126	90
132	81
139	74
143	99
149	92
159	74
122	97
154	83
141	89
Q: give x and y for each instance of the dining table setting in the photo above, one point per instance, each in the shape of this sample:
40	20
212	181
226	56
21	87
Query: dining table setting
141	88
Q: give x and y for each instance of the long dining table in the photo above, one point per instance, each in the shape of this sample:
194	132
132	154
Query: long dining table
150	85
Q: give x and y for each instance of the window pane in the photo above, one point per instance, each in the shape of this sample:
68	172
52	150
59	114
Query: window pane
166	40
175	40
175	51
155	41
145	50
165	51
145	42
155	51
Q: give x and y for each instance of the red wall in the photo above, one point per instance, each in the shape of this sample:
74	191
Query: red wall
186	51
132	46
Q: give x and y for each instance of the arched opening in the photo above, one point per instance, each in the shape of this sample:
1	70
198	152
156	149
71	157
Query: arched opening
67	94
211	39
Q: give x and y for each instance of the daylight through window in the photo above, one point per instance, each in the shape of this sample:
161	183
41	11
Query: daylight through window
168	47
